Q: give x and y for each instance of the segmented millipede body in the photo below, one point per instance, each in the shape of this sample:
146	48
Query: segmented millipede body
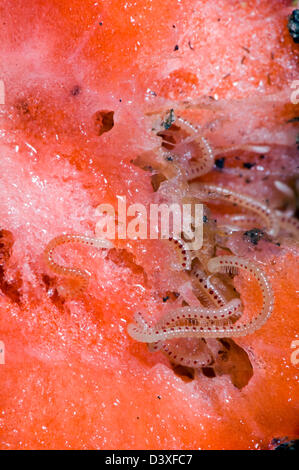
182	323
178	324
209	289
289	224
179	353
200	315
211	191
205	160
289	198
207	250
239	221
183	251
226	263
181	333
255	148
74	273
285	222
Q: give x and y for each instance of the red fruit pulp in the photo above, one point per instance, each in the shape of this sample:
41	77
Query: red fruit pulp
72	377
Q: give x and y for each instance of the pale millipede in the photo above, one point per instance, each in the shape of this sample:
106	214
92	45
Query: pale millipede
200	315
82	276
205	161
177	353
239	221
230	223
289	198
289	224
221	314
200	329
226	263
255	148
285	222
209	290
195	169
211	191
192	317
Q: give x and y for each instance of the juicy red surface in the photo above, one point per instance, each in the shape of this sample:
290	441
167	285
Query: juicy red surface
73	378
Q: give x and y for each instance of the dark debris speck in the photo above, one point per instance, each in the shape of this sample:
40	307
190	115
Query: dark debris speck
75	90
248	165
219	162
284	444
169	119
293	26
254	235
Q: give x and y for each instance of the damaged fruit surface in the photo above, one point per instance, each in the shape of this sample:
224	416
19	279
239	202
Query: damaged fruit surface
86	87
